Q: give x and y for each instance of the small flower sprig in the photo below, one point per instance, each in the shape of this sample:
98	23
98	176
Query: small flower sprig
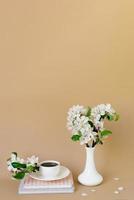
87	124
19	167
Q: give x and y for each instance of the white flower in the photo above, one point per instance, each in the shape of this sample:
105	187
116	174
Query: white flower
109	109
11	168
87	137
81	123
32	160
99	124
20	160
13	157
73	116
101	110
87	122
98	111
78	122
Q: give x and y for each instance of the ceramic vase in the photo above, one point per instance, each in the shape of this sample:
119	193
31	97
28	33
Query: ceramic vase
90	176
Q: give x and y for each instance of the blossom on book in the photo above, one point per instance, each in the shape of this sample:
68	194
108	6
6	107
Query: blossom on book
13	159
32	160
19	167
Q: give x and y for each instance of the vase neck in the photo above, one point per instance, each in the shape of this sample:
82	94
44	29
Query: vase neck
90	165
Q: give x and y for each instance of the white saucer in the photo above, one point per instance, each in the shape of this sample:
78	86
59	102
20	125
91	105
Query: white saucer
64	172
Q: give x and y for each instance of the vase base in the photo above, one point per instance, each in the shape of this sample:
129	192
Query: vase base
92	180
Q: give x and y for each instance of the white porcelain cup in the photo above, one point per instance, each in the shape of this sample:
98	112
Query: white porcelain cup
49	168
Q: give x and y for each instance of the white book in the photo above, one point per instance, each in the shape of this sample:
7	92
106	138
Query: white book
33	186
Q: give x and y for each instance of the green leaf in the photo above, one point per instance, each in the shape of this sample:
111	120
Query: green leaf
98	141
110	117
76	137
116	117
30	168
18	165
19	175
105	133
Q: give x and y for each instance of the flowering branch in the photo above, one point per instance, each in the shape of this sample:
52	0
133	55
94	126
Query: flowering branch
19	167
87	124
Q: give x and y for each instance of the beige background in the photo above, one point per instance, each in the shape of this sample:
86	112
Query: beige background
54	54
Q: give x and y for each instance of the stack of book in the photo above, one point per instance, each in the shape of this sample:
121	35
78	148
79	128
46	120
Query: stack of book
31	186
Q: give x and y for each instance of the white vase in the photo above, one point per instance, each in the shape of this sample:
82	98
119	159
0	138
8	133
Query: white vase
90	177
